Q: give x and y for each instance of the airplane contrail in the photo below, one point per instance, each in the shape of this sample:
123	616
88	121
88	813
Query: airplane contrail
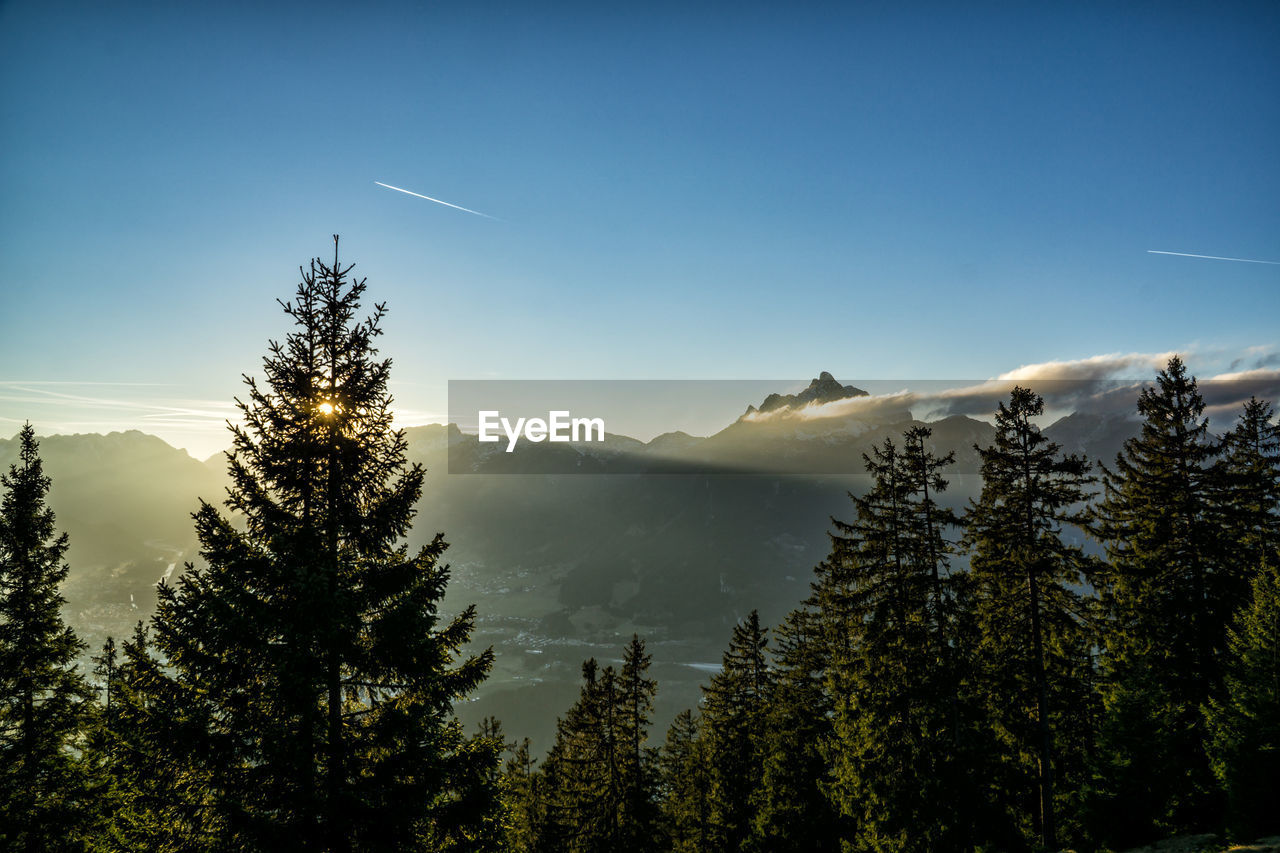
438	201
1211	257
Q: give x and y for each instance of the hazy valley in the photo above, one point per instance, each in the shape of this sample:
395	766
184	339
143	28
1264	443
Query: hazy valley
693	535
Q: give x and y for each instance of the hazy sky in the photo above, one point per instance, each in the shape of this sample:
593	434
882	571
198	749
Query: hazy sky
706	191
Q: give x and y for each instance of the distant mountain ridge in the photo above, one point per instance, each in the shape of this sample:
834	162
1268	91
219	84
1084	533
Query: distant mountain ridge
560	566
125	499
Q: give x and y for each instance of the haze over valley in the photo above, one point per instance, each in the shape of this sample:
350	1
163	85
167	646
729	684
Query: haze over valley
690	536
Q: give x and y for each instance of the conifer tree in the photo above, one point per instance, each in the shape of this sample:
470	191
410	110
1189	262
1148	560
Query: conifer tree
584	784
45	703
931	550
1168	593
1245	724
1250	481
902	725
553	827
599	774
684	787
153	802
95	749
525	805
636	760
310	664
794	812
735	714
1035	625
1244	719
106	666
832	601
485	789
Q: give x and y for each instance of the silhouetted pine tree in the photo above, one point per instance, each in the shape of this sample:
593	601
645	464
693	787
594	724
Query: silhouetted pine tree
901	724
735	714
585	789
1244	720
45	703
1168	594
96	751
552	830
154	803
684	787
525	807
1036	627
962	767
599	775
928	520
106	668
308	656
1245	724
636	761
484	785
794	813
1251	485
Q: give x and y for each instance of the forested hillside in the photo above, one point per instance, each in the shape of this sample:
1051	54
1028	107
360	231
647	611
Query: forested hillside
1070	652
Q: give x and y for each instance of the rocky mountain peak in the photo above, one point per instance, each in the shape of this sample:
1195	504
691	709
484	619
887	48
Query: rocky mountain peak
824	389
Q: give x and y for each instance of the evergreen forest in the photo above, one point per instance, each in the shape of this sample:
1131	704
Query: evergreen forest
973	680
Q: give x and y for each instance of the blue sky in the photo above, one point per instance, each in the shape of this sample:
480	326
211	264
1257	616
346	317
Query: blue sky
707	191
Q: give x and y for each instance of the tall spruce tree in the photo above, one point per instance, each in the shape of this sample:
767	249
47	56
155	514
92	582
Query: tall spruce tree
684	787
735	714
306	657
525	804
794	813
599	775
902	724
96	749
1250	481
106	670
153	802
485	788
1168	594
927	522
1244	718
637	761
1036	627
557	815
45	702
584	780
1244	724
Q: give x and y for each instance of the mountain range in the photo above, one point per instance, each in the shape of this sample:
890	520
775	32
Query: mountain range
675	538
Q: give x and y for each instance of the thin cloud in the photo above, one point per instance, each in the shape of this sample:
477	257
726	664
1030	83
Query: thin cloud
33	393
1109	366
79	382
872	406
1257	357
54	408
1106	384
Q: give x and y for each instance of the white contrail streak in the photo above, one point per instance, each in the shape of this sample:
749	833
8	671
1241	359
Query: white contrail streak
1210	257
438	201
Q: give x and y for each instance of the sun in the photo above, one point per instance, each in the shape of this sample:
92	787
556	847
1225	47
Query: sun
326	408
